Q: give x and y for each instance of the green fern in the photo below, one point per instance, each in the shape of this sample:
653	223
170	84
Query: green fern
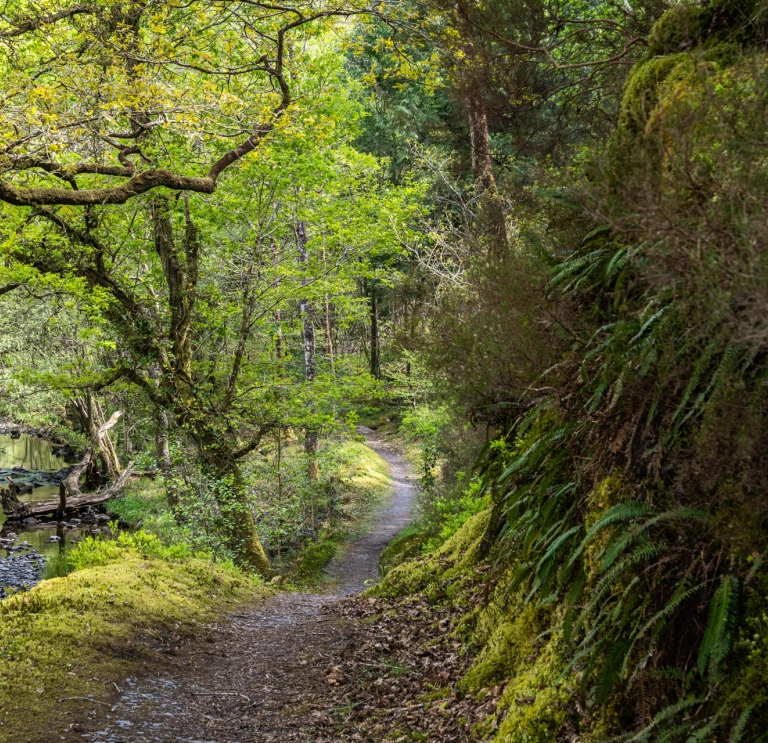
718	635
741	724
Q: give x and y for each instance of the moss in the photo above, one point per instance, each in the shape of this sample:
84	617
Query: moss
314	559
367	473
507	634
685	38
646	85
439	574
514	648
606	494
537	698
681	28
405	546
437	695
68	636
745	686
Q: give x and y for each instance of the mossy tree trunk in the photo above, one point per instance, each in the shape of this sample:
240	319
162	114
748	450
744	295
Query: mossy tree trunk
308	337
157	337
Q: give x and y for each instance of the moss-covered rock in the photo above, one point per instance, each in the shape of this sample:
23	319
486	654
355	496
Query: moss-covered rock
537	699
440	573
648	84
405	546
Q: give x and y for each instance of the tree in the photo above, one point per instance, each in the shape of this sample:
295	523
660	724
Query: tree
188	287
128	91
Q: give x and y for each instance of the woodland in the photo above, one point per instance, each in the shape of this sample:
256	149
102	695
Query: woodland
524	241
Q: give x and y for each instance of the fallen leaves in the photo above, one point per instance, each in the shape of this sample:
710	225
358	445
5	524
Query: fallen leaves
399	679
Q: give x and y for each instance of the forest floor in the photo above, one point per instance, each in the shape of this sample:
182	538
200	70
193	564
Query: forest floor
308	667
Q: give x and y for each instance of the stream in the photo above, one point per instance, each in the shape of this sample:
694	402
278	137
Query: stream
36	467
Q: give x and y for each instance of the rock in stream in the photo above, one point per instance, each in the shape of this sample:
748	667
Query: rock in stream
23	567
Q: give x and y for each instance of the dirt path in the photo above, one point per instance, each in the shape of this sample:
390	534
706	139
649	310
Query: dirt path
263	674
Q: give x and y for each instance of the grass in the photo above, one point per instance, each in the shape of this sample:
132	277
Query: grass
144	506
73	636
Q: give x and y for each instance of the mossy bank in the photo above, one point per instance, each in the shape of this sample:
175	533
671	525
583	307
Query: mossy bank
67	642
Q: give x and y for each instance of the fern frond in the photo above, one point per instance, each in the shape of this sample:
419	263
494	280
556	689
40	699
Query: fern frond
741	724
717	636
620	513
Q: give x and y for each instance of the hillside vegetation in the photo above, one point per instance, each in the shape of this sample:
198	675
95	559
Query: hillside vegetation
625	586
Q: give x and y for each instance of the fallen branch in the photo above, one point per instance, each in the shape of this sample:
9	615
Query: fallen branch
72	481
15	509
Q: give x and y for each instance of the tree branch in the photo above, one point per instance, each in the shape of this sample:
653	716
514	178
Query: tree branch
250	446
32	24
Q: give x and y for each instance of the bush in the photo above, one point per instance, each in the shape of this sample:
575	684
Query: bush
96	551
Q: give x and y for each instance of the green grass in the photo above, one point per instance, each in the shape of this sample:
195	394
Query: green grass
73	636
144	505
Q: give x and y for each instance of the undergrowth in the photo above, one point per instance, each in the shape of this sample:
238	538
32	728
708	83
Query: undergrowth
627	519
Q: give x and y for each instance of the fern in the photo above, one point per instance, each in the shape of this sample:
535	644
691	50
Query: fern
717	637
741	724
659	724
572	599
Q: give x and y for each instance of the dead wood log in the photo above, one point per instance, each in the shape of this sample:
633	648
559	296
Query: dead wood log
16	510
72	481
10	500
70	496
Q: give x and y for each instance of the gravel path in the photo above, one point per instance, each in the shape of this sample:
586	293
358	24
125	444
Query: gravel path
264	674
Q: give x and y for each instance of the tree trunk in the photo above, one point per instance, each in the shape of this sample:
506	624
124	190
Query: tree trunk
305	310
164	461
161	440
62	502
328	334
375	346
92	419
491	219
279	339
479	138
232	499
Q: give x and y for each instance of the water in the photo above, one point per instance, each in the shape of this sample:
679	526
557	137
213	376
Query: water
39	537
29	452
36	457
